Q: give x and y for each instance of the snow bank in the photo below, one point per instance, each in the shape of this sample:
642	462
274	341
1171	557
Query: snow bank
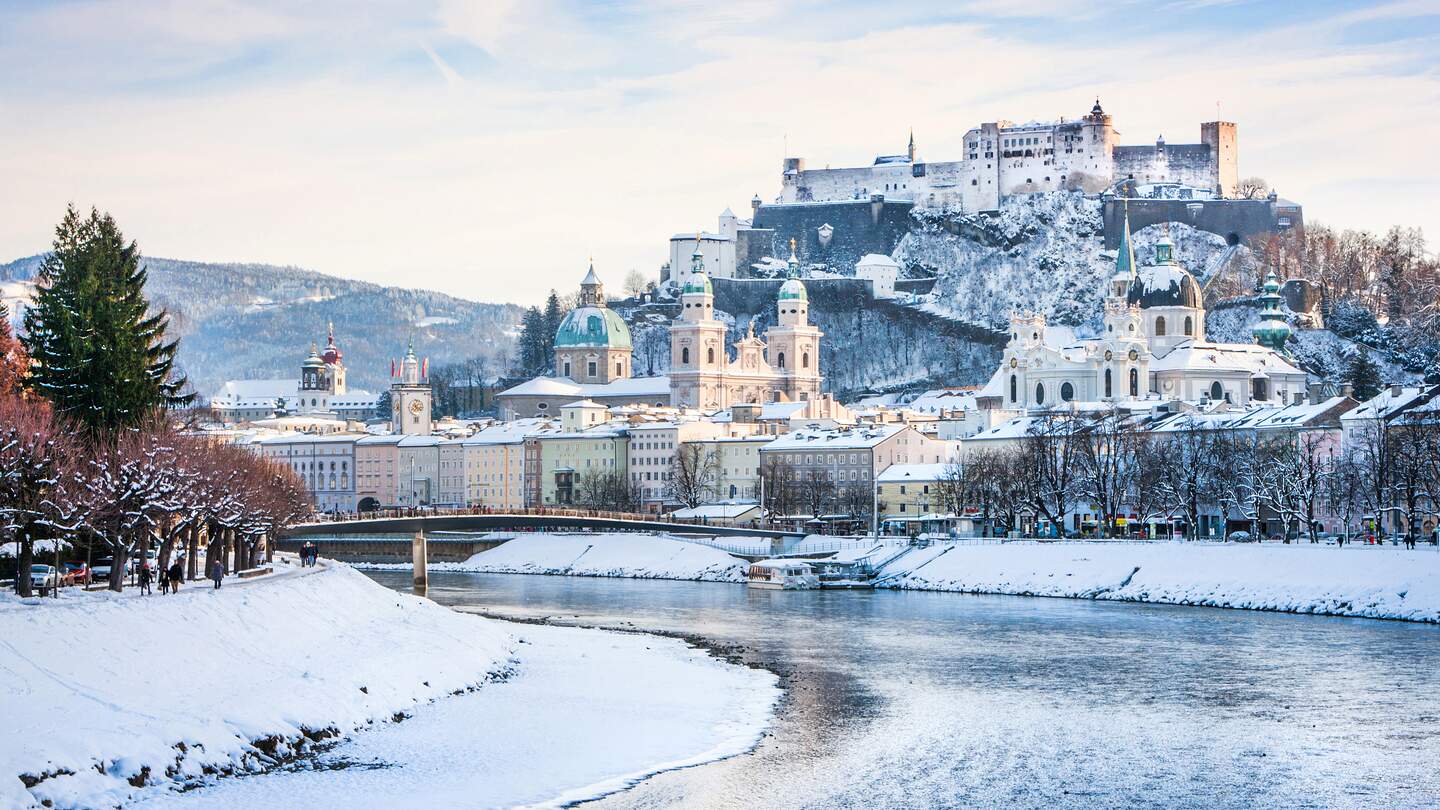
1383	583
104	693
641	556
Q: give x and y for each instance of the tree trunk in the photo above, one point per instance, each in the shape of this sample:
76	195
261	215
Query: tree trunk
23	563
192	542
119	556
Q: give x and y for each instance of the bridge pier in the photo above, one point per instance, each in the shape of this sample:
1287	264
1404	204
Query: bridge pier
420	561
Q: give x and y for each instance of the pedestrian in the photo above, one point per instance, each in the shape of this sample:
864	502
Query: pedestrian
217	573
144	578
164	577
175	575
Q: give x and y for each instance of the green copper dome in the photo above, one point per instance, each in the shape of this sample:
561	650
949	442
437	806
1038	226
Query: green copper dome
697	283
793	290
599	327
1272	331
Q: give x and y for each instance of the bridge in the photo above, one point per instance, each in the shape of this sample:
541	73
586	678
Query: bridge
407	522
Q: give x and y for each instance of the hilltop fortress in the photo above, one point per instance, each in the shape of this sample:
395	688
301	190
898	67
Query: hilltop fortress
1001	159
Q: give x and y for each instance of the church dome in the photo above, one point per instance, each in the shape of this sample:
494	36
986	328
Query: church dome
313	361
793	290
697	283
1165	283
598	327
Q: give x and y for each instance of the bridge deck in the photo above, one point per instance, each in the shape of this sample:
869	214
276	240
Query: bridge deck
498	522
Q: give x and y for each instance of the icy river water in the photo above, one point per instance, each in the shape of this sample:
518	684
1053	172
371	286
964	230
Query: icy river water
908	699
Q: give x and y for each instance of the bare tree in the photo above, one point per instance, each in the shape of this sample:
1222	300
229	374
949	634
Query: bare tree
694	474
1252	188
1051	453
635	283
1106	445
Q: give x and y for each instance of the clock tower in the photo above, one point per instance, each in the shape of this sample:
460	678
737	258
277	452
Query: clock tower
410	397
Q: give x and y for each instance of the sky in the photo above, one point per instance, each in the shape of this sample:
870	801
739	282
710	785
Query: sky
489	149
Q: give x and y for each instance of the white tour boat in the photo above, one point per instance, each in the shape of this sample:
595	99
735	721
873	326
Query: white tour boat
789	575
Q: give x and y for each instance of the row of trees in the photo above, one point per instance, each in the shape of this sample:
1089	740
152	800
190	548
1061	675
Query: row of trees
1107	464
89	450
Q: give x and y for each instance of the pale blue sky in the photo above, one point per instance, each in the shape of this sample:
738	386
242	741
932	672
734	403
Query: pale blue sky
487	148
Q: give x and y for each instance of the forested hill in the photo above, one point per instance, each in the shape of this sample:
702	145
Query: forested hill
258	320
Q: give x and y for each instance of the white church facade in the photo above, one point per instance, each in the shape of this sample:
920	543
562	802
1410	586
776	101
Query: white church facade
1152	344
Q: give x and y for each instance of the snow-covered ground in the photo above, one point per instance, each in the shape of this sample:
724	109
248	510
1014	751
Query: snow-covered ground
1388	583
109	698
638	556
587	713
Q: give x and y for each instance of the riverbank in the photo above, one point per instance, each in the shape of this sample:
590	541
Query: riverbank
1370	582
1360	581
112	699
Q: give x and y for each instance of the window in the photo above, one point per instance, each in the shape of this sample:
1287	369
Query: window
619	369
567	368
805	360
780	360
1160	326
1107	383
1067	392
1040	393
590	367
1134	382
1189	326
1013	395
710	355
685	354
1216	391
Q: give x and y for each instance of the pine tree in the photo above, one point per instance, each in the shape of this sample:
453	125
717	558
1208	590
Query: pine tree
1363	375
533	342
13	360
99	353
553	316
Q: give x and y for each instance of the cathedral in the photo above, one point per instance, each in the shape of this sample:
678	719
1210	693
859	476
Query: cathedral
784	367
1152	343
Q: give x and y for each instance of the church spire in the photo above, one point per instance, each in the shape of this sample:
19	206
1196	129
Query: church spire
792	267
911	150
1125	257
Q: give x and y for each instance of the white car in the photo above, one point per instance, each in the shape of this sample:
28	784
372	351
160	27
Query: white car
43	578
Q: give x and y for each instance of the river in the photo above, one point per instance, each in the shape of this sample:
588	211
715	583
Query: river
913	699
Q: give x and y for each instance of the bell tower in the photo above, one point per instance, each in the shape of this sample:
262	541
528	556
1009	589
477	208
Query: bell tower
697	343
794	345
410	396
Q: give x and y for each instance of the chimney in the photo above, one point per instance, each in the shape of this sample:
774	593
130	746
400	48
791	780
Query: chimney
1317	392
1396	389
1347	390
1299	398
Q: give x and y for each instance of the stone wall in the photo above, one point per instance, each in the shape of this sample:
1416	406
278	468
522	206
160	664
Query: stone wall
859	227
1236	220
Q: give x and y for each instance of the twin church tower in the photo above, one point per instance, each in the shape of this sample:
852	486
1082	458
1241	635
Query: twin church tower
592	346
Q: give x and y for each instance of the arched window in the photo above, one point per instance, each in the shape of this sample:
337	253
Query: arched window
1067	392
1107	383
1189	326
1014	395
1134	382
619	369
780	360
1216	391
1039	393
685	354
805	360
1160	326
710	355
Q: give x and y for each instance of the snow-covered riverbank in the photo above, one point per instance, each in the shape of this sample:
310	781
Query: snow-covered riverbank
1375	582
602	554
109	699
1384	583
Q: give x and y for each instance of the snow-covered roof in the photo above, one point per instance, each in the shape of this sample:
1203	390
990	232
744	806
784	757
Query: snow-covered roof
866	436
583	403
902	473
512	432
234	391
630	387
876	258
1388	402
1249	358
725	511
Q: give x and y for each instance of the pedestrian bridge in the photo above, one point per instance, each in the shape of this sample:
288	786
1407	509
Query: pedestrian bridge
404	522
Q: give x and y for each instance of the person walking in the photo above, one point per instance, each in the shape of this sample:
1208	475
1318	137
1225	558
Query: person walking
144	578
175	575
217	573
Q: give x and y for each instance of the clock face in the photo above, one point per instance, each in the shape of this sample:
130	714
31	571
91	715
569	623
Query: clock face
1014	362
416	406
1109	354
1134	355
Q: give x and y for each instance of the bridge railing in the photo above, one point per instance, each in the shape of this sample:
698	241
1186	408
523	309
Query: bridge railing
540	511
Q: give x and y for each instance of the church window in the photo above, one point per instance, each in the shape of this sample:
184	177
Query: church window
1134	382
710	355
780	360
590	368
685	354
567	368
1067	392
805	360
1107	383
1013	394
1189	326
1216	391
1160	326
619	369
1040	393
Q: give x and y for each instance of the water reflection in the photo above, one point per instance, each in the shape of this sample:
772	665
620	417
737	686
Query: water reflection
900	699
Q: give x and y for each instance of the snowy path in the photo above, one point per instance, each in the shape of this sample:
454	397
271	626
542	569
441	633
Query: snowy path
587	713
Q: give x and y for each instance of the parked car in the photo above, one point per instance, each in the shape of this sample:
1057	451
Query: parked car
77	573
100	571
1241	537
43	578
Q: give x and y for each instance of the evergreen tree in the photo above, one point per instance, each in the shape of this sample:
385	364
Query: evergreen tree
1363	375
99	354
553	316
533	342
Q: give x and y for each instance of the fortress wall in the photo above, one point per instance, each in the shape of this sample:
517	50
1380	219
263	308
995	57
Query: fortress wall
1236	220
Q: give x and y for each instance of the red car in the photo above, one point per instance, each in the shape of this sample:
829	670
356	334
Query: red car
76	573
